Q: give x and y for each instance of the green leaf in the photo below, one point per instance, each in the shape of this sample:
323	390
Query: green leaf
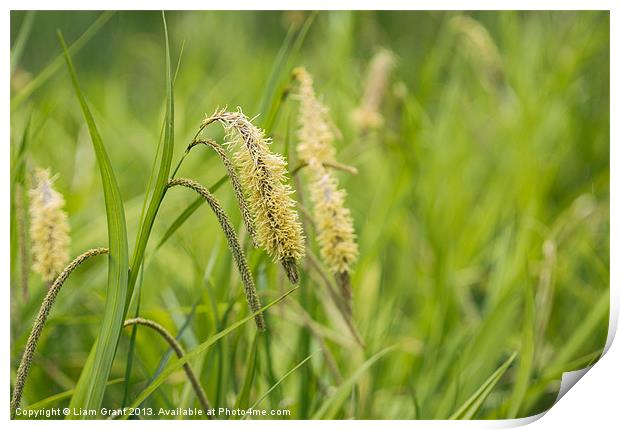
279	381
22	38
275	88
92	383
471	405
526	355
328	410
64	395
586	329
162	177
194	353
250	370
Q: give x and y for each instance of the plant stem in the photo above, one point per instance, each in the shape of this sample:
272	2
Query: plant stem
200	393
233	244
333	164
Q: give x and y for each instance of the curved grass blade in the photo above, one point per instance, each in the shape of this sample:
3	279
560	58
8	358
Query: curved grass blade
22	38
91	385
162	177
184	216
471	405
53	67
132	343
279	381
194	353
250	367
331	406
275	89
64	395
526	355
159	142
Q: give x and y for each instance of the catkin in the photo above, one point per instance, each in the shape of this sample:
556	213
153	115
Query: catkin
49	228
334	224
335	233
368	115
315	131
263	176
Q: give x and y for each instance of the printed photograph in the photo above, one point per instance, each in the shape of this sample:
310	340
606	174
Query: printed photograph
305	215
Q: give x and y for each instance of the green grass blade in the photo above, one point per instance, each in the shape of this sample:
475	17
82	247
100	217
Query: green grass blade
279	381
64	395
598	314
132	344
187	212
250	370
53	67
194	353
331	406
159	142
22	38
91	385
471	405
162	177
274	90
526	355
19	163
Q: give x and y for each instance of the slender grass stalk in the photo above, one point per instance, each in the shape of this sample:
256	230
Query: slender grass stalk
22	234
326	163
178	350
236	184
22	38
39	324
341	305
233	244
49	70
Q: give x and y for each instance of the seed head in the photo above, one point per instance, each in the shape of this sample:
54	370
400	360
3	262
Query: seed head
315	131
263	178
335	232
49	229
334	224
367	115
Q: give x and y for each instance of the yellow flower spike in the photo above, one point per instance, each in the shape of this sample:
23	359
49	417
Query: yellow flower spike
263	177
49	228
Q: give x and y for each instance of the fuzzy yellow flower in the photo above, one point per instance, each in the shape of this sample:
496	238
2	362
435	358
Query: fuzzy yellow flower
334	224
49	228
315	132
263	177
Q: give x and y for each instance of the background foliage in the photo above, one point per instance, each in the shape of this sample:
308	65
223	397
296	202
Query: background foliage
481	207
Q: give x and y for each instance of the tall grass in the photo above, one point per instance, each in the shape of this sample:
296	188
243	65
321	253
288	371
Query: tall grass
480	204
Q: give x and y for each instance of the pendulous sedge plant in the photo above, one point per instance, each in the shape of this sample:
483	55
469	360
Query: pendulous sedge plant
49	229
333	221
233	244
263	178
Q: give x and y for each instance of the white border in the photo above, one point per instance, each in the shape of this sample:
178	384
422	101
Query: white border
593	401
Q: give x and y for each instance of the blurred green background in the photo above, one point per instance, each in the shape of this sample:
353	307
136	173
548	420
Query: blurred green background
481	206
